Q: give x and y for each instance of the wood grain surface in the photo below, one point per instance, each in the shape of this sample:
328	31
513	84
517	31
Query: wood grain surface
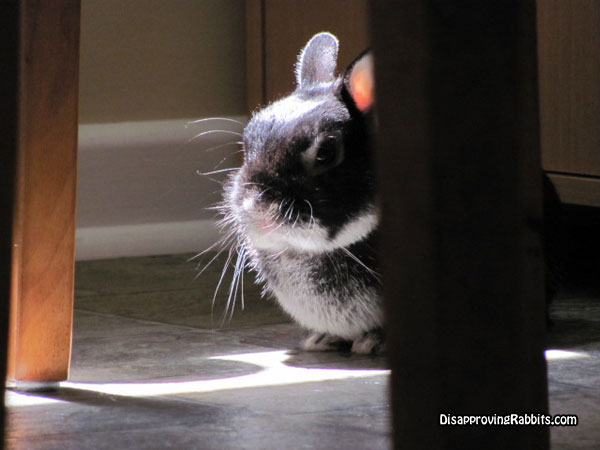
9	28
44	222
279	29
569	73
460	184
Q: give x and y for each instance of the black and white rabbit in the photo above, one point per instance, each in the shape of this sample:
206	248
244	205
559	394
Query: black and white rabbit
303	204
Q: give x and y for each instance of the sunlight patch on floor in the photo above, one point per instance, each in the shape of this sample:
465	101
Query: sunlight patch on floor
274	373
14	399
552	355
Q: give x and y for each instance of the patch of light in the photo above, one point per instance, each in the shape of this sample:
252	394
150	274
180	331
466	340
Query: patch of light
274	373
563	354
12	399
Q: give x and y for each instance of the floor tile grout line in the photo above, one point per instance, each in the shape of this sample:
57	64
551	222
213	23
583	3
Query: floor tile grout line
111	294
154	322
571	385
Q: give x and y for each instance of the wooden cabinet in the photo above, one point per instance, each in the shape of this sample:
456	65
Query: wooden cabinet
569	83
569	73
277	31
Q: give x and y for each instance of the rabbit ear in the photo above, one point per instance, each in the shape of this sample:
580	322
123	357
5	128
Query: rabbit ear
317	61
360	81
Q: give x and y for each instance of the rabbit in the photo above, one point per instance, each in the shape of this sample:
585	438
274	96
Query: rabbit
303	206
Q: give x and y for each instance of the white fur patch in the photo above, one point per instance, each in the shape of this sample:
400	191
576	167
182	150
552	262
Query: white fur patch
357	229
319	313
313	238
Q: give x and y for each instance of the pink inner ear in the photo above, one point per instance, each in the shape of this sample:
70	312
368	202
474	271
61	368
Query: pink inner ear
361	82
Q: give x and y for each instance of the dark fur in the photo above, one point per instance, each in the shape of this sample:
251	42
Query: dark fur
280	173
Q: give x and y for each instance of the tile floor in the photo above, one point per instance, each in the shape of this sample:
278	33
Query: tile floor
147	372
153	368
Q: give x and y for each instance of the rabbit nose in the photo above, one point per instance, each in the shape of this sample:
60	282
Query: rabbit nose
248	203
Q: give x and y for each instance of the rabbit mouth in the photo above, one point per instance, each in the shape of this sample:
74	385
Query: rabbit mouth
268	232
290	224
259	217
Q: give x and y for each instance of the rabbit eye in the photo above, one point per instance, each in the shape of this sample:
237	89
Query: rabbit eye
329	154
326	154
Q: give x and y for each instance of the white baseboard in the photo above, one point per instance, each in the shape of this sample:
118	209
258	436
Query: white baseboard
146	173
145	239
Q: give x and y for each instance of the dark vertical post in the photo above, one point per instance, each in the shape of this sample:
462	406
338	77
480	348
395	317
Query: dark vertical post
9	20
461	184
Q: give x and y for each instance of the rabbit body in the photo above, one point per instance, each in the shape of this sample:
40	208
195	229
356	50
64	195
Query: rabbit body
303	205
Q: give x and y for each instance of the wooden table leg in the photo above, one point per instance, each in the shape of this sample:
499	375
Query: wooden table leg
8	127
461	183
44	217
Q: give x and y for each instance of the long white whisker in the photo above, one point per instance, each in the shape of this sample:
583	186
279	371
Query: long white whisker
226	158
204	133
280	224
216	147
311	221
243	267
224	243
209	263
233	288
217	171
224	119
355	258
240	277
289	211
253	183
334	265
220	182
221	279
220	241
275	255
263	192
203	252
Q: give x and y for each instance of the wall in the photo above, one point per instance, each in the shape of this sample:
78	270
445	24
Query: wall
147	69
